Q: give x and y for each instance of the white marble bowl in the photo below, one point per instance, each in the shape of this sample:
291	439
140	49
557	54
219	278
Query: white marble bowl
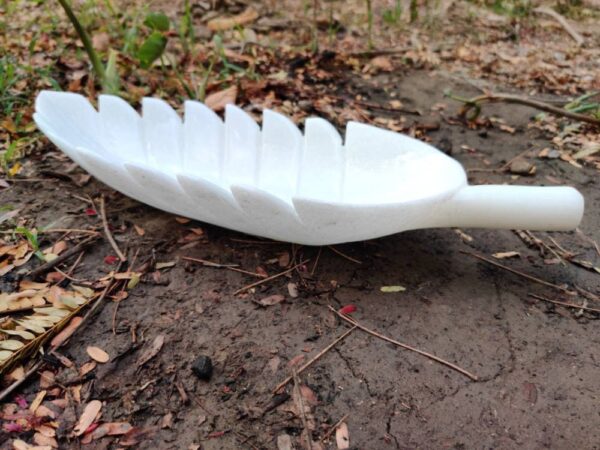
310	188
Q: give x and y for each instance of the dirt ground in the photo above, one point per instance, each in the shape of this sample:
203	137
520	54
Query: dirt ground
537	364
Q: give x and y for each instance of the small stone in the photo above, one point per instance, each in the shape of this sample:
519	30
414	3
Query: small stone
203	367
521	166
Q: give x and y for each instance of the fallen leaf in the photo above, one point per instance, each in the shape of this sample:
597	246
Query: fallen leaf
348	309
42	440
167	421
503	255
151	351
136	435
225	23
271	300
66	333
37	401
217	100
391	289
87	367
110	259
46	379
97	354
101	41
382	63
111	429
293	290
309	395
139	230
342	438
87	417
296	360
284	442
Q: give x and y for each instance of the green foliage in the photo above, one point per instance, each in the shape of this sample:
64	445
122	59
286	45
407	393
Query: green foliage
31	236
8	156
369	23
157	22
152	49
393	16
512	8
155	44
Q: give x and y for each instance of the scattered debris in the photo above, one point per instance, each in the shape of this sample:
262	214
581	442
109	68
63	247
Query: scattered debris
203	367
97	354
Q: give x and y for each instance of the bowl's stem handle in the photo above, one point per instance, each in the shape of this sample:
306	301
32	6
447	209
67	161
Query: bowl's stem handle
515	207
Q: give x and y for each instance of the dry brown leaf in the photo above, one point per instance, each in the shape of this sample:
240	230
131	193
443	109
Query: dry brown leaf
309	395
101	41
284	442
503	255
139	230
342	437
17	374
383	63
217	100
111	429
97	354
46	379
66	333
225	23
37	401
87	367
151	351
43	440
136	435
271	300
293	290
295	361
87	417
167	421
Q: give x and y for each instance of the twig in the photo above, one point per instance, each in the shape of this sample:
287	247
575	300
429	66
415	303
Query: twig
99	300
568	305
405	346
298	396
343	255
492	97
64	256
109	236
333	428
314	359
266	280
370	105
379	52
563	23
312	272
522	274
10	389
68	230
221	266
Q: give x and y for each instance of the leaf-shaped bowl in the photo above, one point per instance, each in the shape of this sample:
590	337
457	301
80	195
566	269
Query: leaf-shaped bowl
277	182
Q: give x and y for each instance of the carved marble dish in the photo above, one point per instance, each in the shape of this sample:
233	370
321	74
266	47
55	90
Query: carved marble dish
310	188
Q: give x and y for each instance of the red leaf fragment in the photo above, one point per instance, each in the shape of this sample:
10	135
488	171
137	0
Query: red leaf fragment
20	400
216	434
13	427
91	428
348	309
110	259
91	212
